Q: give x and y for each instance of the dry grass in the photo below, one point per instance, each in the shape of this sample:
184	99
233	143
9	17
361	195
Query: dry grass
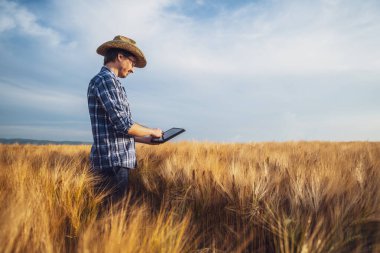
195	197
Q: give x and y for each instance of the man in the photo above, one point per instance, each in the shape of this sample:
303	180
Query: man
113	153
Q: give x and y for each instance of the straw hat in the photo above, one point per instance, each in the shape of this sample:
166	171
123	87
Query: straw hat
127	44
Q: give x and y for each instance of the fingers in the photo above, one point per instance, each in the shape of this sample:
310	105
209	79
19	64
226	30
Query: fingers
157	133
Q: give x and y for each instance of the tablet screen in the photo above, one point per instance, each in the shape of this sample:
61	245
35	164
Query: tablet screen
169	134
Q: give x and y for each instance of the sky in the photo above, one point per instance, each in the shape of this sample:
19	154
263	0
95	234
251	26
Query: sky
226	71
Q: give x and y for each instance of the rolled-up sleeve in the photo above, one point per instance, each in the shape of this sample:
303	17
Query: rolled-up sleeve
110	97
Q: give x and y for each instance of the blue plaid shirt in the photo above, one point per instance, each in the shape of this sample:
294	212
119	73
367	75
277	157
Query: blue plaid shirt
110	120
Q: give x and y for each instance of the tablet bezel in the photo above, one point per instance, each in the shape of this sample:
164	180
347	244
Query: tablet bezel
159	140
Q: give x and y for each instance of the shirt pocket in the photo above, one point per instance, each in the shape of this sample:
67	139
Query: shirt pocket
123	97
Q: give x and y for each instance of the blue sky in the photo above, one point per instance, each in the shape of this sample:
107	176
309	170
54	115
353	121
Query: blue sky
228	71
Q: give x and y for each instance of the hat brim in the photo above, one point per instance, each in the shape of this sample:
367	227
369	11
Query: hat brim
137	53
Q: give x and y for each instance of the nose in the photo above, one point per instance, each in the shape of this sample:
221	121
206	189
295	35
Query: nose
131	70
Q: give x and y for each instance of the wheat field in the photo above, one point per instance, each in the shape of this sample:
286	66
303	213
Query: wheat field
195	197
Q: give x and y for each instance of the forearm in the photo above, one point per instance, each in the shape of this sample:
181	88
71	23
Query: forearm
144	139
140	131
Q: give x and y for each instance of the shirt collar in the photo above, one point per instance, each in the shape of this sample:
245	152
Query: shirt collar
105	68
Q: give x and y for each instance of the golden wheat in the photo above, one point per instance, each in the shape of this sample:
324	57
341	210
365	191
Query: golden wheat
195	197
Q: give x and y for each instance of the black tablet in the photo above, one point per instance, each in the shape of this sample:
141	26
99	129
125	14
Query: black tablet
169	134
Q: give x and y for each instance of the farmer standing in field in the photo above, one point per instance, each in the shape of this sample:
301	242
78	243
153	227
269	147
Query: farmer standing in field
113	152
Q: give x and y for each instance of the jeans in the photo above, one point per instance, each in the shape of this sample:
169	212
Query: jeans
114	180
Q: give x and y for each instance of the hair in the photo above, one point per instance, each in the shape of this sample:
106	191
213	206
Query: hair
112	53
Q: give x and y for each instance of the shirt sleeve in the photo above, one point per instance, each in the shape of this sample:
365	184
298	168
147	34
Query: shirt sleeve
117	111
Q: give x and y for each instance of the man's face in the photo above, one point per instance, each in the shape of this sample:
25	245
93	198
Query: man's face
126	65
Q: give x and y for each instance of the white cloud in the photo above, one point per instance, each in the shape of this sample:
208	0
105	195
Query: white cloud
341	127
43	100
200	2
238	63
290	37
49	131
6	23
15	16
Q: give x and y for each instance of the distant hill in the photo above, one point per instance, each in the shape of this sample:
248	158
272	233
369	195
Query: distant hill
41	142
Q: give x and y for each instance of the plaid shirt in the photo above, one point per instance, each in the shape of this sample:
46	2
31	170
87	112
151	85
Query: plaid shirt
110	120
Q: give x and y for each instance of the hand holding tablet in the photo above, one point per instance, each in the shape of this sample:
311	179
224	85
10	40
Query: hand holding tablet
169	134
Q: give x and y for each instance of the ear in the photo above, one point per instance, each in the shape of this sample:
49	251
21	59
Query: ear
119	57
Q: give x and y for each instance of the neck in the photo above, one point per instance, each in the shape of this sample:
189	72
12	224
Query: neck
113	68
